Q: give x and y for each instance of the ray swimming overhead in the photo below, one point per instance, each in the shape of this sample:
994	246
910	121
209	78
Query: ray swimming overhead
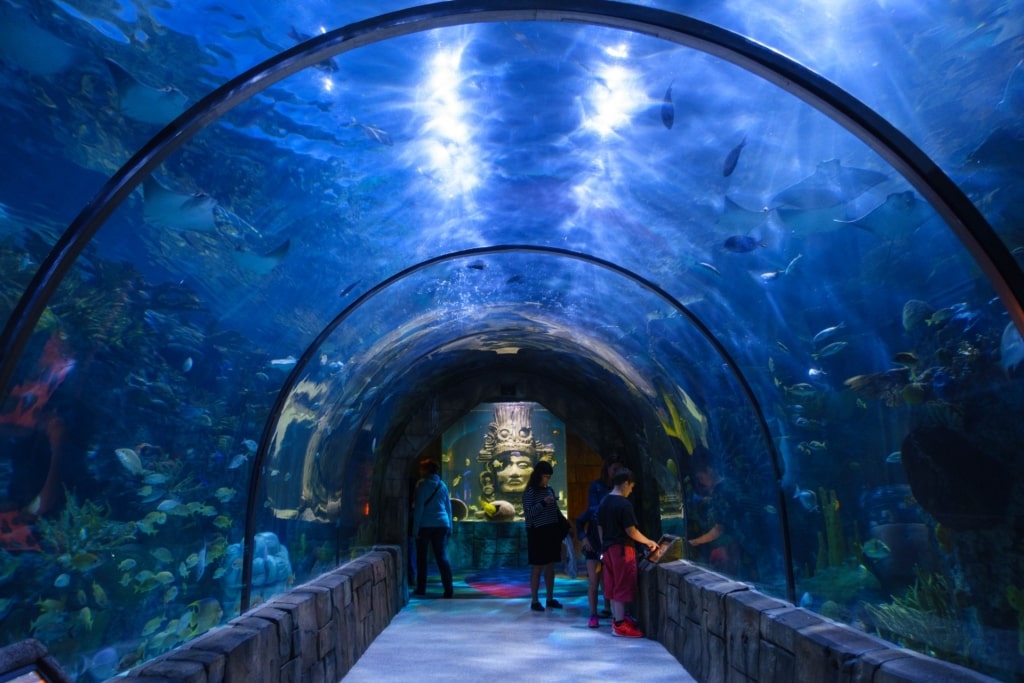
736	219
142	103
831	184
896	218
803	222
166	209
34	49
261	264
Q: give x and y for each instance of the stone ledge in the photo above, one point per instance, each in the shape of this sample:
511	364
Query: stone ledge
723	630
302	635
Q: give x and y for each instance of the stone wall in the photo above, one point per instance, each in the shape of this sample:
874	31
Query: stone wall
723	630
314	633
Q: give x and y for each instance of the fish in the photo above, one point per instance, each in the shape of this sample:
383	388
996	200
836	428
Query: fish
164	208
85	618
155	478
168	505
1003	147
164	577
808	499
162	555
99	595
187	364
916	312
668	109
286	362
830	185
894	458
827	333
741	244
789	266
736	218
897	217
143	103
83	562
709	267
772	274
875	549
733	158
249	444
26	45
238	461
201	562
103	665
62	581
376	134
830	350
224	494
129	459
126	565
906	358
1011	348
261	264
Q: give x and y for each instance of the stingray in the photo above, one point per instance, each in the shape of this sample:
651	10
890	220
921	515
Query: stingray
737	220
34	49
831	184
166	209
261	264
143	103
803	222
896	218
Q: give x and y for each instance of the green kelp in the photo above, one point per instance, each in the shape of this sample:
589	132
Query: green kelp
924	619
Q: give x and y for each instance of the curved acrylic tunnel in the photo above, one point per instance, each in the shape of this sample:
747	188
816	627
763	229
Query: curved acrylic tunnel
304	281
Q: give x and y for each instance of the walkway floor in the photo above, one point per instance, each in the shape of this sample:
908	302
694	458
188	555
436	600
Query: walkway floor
481	635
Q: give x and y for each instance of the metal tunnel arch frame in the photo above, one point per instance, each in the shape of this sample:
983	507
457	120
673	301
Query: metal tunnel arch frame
270	425
923	174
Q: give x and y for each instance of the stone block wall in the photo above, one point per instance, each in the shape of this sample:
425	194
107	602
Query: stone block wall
723	630
314	633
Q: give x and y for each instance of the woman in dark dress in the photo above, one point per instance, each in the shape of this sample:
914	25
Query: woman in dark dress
544	533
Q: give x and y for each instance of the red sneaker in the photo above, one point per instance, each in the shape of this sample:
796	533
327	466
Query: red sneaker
626	630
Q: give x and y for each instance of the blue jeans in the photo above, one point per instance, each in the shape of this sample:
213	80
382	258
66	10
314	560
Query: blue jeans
437	538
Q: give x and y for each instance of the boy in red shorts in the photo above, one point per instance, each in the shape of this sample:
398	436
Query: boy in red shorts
616	523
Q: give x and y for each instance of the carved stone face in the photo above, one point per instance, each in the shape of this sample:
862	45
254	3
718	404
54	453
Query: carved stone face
513	472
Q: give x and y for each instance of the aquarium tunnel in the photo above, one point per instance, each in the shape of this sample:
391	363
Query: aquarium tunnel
258	259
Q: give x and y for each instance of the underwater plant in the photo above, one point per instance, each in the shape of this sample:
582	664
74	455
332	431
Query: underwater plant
77	538
924	619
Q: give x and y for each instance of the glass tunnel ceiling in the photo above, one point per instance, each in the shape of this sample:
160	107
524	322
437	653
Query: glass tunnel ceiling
677	242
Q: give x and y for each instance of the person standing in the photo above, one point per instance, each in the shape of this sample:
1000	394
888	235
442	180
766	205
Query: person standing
544	533
431	526
616	522
590	540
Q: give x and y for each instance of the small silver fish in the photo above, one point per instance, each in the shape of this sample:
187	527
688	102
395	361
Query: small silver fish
826	333
830	350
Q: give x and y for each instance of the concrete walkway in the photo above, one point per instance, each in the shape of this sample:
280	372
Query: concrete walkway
477	636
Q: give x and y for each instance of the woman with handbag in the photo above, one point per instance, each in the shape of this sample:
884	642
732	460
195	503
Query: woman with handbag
546	526
432	525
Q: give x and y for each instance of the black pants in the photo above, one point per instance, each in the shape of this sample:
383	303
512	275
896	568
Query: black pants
437	538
